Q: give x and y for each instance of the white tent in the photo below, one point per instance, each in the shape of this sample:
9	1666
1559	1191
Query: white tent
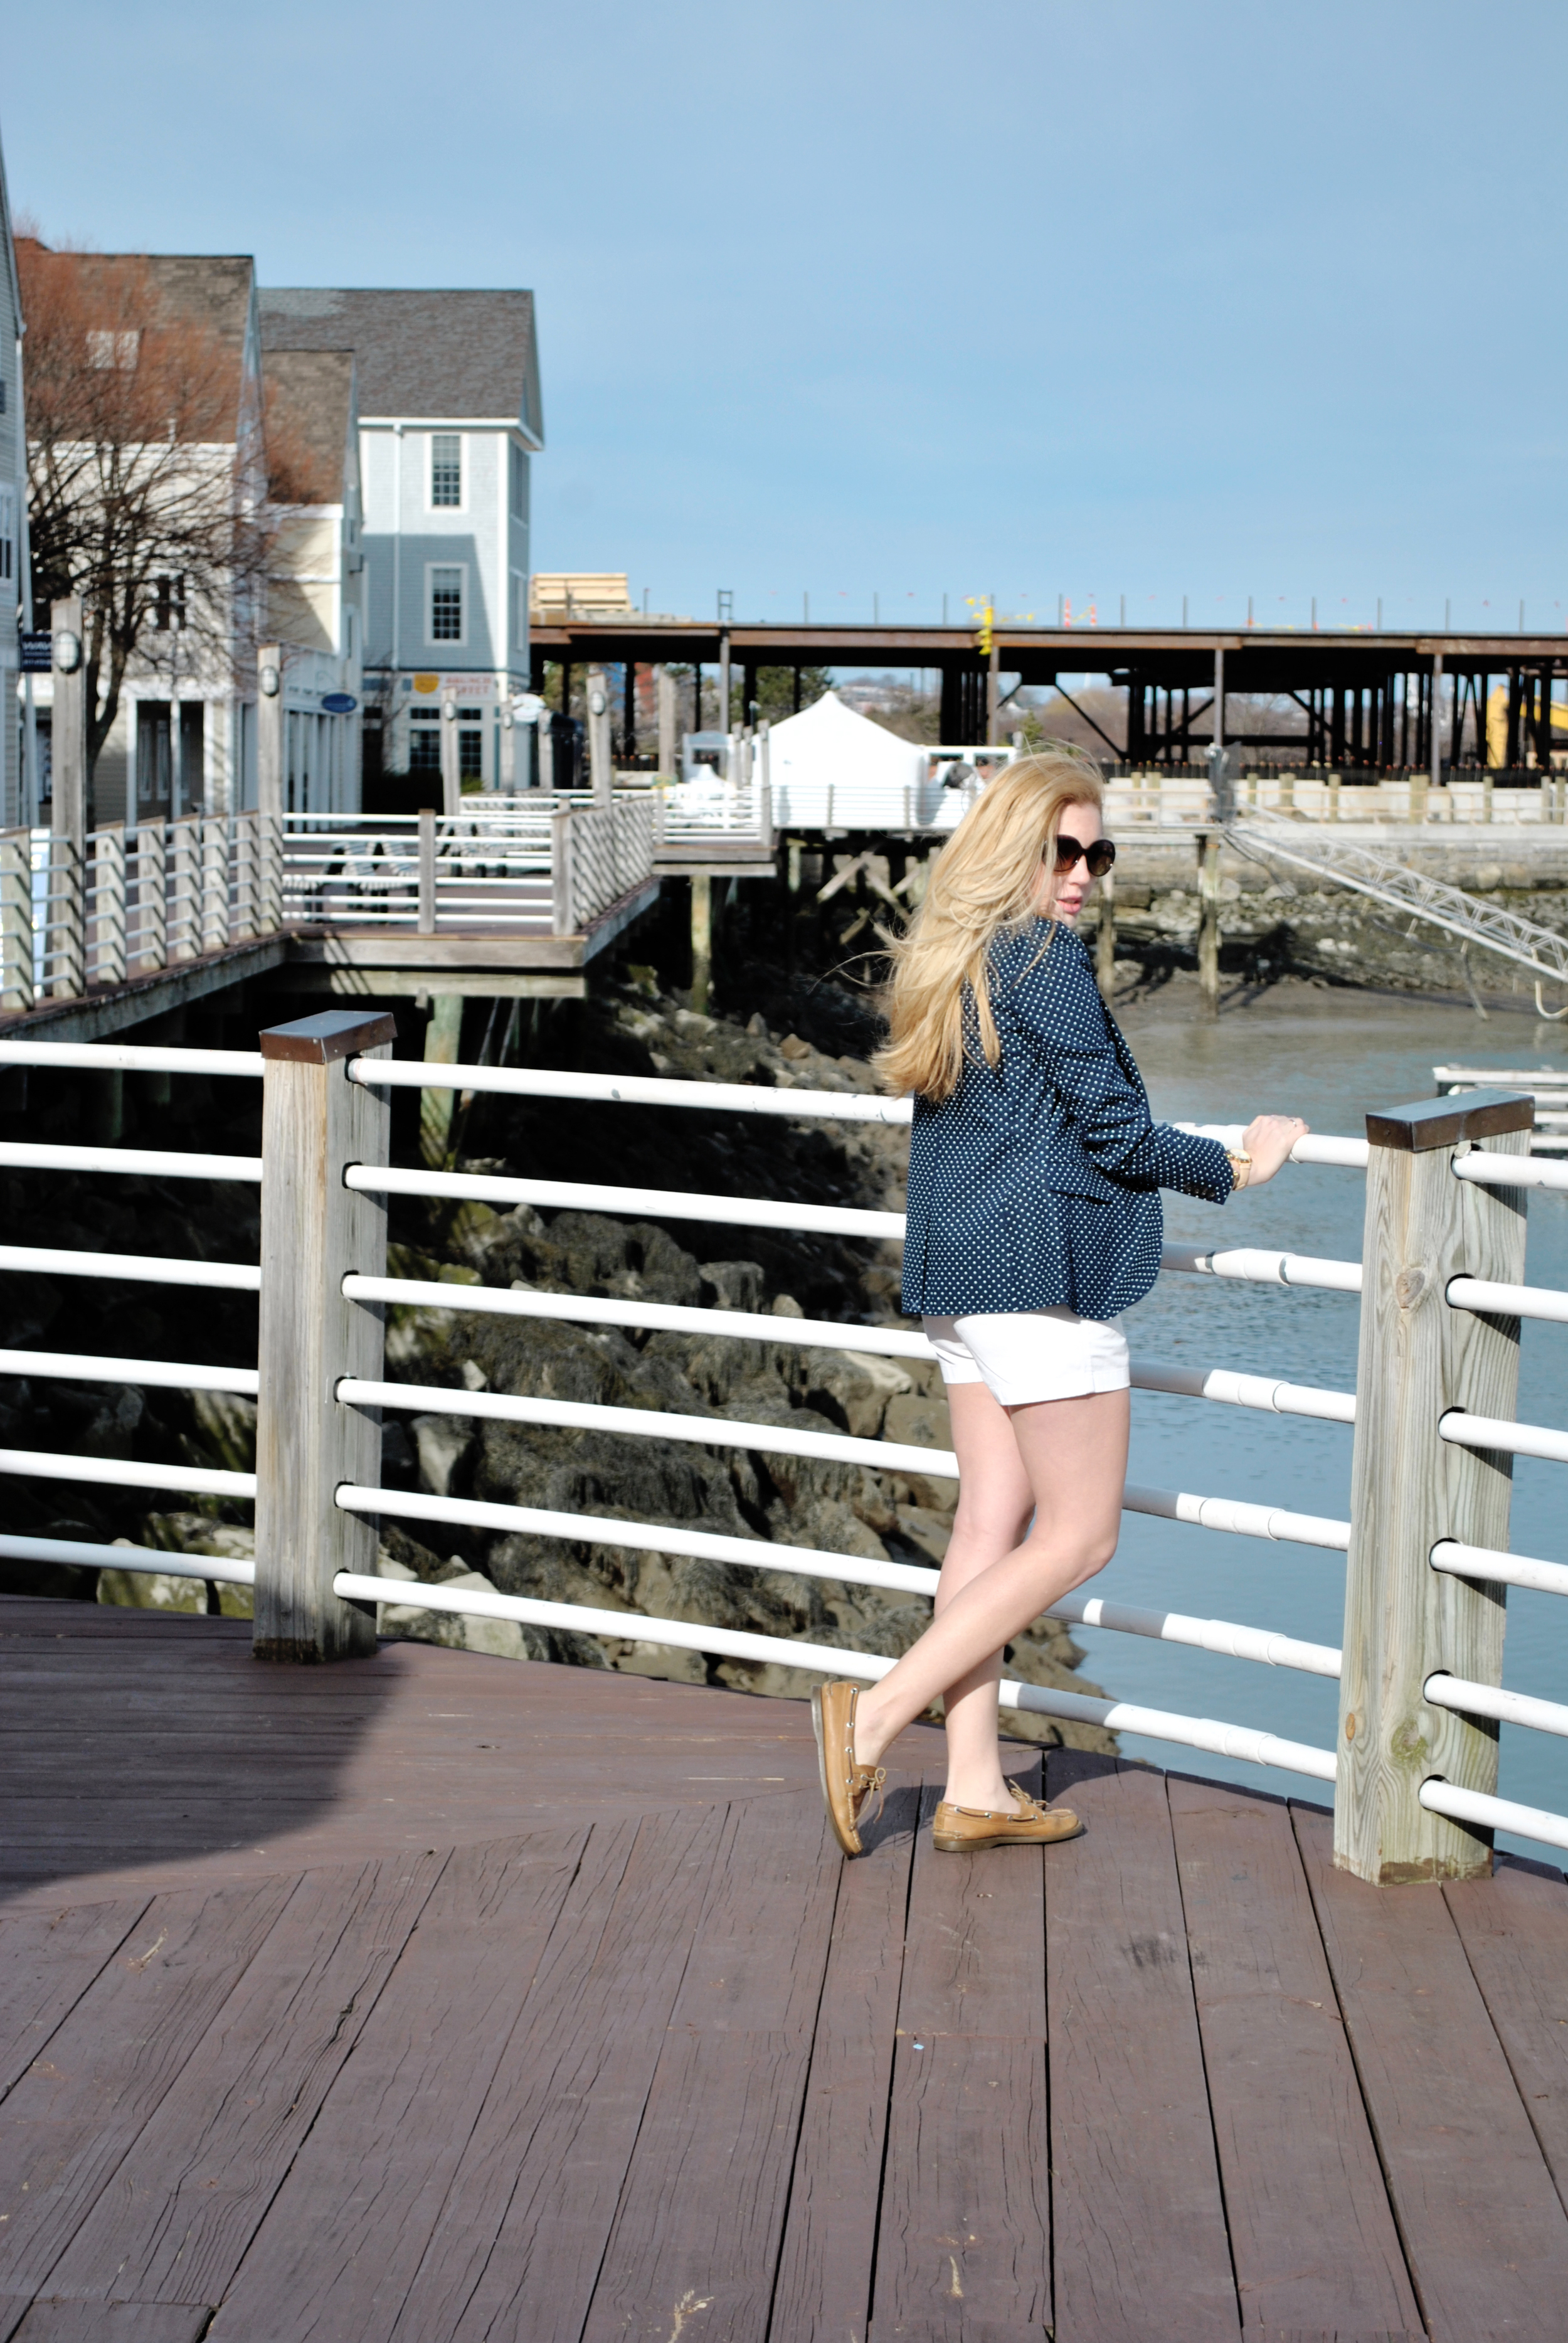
832	768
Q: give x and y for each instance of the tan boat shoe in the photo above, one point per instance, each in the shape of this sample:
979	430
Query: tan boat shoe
846	1785
959	1830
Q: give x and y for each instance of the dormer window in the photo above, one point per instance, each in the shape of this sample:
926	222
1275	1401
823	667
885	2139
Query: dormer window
446	468
108	350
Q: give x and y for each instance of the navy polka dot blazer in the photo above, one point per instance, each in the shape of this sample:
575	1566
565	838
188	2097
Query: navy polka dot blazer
1037	1184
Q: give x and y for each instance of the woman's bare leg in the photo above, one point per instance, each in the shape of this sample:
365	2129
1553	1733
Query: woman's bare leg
1074	1454
995	1502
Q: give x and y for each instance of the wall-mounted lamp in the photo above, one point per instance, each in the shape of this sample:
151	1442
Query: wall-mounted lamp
67	651
598	703
269	682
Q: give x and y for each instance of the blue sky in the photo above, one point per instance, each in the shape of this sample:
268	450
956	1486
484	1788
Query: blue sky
1132	299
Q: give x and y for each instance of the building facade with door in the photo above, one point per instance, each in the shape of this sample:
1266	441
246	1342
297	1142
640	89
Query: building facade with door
450	419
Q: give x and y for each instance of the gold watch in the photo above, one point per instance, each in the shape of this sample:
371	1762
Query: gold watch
1240	1167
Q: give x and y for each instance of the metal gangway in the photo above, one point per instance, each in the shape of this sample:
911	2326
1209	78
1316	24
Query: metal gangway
1379	874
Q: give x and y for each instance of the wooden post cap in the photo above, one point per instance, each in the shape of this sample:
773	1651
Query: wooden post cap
1444	1121
331	1034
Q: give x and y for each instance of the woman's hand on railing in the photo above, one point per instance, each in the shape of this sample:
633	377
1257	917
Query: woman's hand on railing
1268	1140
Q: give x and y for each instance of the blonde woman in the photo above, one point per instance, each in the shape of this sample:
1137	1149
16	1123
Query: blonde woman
1034	1218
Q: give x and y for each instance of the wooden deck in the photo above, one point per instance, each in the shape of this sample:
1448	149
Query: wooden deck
433	1997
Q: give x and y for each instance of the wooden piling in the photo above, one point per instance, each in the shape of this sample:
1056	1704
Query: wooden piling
1404	1621
701	940
314	1231
1208	922
443	1044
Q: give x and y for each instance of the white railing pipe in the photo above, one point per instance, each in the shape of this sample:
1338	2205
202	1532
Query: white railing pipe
126	1472
1243	1742
131	1058
1447	1690
1497	1300
1467	1430
226	1570
1235	1390
653	1424
1494	1171
141	1269
1257	1267
1477	1806
635	1090
146	1162
1502	1569
662	1317
664	1203
165	1374
1220	1635
1238	1518
1316	1147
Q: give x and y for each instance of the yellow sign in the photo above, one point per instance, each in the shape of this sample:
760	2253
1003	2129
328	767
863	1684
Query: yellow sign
426	683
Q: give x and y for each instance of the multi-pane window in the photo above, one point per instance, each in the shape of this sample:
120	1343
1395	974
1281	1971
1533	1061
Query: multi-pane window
470	744
519	478
425	740
7	535
107	351
446	468
169	601
519	612
445	604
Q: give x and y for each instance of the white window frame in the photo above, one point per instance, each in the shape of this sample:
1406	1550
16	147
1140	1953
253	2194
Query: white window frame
462	504
517	484
448	642
7	537
518	631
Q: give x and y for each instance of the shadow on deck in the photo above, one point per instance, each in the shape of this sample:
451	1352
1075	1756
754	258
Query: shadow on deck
434	1996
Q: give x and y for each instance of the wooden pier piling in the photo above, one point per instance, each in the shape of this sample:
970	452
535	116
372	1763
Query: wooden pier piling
1208	922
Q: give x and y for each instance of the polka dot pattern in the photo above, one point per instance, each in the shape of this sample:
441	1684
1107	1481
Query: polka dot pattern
1037	1184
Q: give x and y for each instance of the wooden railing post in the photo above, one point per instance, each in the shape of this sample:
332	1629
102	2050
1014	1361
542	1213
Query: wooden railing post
1405	1622
1208	922
427	870
314	1231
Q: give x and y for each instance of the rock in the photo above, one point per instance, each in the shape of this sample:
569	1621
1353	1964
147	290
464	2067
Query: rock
443	1444
920	1421
732	1284
855	1386
794	1049
928	1533
227	1423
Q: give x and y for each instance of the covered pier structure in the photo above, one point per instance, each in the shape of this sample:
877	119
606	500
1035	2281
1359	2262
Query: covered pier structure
1366	697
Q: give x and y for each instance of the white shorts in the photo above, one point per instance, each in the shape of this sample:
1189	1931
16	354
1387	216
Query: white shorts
1023	1355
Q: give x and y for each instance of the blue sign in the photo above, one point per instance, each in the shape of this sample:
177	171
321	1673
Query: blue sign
36	653
338	703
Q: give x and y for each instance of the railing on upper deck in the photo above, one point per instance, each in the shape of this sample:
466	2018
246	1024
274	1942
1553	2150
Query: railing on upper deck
138	902
1443	1291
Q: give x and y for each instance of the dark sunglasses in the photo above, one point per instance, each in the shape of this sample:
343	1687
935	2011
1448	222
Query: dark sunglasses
1097	859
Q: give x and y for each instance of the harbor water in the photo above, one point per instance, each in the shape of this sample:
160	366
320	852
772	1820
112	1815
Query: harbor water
1328	1056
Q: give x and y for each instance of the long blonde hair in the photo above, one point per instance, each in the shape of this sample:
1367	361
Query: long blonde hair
986	879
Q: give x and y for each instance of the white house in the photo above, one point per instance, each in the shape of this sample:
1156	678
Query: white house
450	417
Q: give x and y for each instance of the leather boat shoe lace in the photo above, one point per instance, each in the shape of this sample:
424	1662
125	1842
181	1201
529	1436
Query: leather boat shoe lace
959	1830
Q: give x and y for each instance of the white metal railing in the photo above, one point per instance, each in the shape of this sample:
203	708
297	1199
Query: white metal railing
354	1392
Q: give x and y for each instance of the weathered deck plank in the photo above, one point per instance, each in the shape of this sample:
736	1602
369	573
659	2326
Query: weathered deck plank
701	2216
337	2252
72	2118
648	2064
1485	2233
823	2288
1137	2215
1311	2236
964	2241
521	2235
192	2191
1515	1931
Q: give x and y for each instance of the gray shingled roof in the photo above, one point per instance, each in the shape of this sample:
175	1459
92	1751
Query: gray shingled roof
442	355
313	413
